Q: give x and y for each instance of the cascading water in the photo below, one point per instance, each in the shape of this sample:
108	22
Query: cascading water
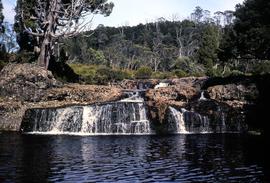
202	97
127	116
184	121
179	123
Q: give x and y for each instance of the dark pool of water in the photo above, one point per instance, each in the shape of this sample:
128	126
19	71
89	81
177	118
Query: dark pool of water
180	158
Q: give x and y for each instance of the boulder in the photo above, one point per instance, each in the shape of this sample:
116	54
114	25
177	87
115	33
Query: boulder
26	86
27	82
177	94
234	94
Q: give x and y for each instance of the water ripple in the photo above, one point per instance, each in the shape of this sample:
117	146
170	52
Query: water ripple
181	158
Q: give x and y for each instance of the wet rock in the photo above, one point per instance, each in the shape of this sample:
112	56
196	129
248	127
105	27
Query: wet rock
177	94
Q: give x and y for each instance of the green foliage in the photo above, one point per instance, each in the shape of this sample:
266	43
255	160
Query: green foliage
188	66
236	73
157	45
227	48
24	10
180	73
94	74
143	73
38	32
96	57
262	68
163	75
207	53
87	72
252	29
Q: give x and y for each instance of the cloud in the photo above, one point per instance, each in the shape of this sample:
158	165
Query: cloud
9	10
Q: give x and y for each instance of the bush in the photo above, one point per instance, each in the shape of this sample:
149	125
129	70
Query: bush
119	75
182	63
180	73
162	75
92	74
188	67
262	68
143	73
236	73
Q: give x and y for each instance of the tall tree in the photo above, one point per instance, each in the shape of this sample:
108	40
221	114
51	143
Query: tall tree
2	30
209	45
252	27
47	21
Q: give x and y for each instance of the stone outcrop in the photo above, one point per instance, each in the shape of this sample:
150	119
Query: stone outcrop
137	84
235	95
178	94
229	102
25	86
26	82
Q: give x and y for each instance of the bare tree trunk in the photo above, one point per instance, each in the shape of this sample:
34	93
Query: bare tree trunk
46	48
179	41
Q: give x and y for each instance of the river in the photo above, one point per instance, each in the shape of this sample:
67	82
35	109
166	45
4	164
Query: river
175	158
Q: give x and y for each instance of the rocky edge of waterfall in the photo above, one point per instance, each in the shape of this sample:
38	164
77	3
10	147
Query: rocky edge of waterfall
27	86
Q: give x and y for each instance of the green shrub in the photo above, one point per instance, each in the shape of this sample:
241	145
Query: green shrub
180	73
93	74
262	68
143	73
162	75
236	73
119	75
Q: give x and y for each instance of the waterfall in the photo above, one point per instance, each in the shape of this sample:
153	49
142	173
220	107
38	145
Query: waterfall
184	121
127	116
202	97
161	85
179	119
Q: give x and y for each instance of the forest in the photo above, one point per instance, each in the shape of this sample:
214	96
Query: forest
204	44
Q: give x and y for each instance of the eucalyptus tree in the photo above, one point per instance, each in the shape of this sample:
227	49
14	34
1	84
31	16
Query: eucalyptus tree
44	22
2	30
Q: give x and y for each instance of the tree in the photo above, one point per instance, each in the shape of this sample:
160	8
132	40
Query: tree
197	15
252	29
185	38
209	46
47	21
2	30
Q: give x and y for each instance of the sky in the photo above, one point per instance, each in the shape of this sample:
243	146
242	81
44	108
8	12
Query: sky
133	12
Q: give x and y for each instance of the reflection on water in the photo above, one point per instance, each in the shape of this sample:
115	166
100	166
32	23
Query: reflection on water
181	158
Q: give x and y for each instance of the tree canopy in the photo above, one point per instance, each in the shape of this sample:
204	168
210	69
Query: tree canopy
252	27
41	23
